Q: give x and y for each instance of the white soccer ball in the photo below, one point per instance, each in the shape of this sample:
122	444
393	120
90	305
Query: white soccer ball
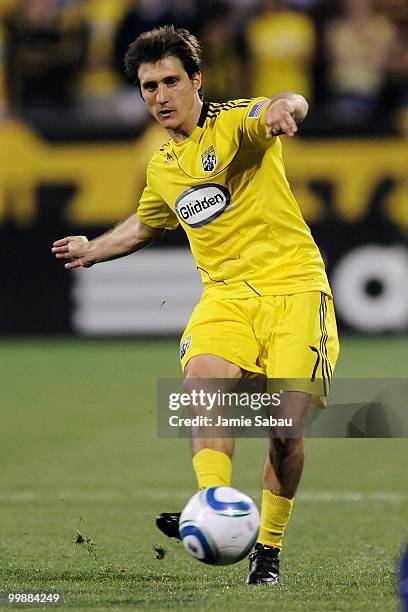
219	525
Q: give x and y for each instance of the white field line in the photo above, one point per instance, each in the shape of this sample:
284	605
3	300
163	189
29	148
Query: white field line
184	495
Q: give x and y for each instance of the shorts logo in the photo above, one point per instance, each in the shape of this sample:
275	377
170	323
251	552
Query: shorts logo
185	346
209	159
200	205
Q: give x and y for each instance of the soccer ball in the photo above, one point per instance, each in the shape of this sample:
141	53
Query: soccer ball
219	525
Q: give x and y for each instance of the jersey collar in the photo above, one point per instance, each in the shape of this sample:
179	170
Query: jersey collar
196	134
203	114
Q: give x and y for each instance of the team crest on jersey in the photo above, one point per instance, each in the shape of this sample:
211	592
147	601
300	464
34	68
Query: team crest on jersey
185	346
209	159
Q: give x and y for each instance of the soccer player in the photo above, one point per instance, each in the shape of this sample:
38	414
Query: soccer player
266	308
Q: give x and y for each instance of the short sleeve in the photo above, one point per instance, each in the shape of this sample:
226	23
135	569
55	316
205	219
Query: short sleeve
254	125
153	211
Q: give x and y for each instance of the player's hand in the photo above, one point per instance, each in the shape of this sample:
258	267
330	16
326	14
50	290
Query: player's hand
75	250
279	119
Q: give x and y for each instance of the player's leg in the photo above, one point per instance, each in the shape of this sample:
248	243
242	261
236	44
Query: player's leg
284	462
211	455
304	328
218	343
282	473
283	469
217	346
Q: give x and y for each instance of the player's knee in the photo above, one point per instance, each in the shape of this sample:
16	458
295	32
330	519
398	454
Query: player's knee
197	371
210	367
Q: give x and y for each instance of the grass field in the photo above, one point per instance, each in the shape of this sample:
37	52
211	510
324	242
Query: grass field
79	452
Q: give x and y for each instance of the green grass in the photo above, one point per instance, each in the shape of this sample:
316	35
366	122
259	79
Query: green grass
79	451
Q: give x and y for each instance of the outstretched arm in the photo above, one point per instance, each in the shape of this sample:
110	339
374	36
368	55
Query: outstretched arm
285	112
127	237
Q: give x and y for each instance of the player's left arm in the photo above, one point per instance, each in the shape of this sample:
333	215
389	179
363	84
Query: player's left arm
284	113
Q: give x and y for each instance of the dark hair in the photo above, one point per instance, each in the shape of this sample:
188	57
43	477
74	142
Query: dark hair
156	44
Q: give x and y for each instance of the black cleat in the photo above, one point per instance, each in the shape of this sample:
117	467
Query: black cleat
168	523
263	565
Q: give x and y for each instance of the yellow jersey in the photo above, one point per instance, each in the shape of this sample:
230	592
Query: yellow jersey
226	185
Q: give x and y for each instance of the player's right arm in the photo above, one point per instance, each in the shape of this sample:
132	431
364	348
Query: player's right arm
127	237
270	117
285	111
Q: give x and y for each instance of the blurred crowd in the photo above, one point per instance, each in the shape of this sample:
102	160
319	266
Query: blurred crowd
61	61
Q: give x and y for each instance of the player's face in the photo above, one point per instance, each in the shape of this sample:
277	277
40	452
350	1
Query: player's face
169	93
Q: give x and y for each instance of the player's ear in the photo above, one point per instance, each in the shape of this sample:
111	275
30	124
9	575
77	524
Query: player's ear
197	81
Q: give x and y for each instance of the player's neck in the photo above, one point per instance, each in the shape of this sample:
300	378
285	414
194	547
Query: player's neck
185	130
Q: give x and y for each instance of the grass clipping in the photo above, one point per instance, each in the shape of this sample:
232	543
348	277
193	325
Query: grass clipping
83	541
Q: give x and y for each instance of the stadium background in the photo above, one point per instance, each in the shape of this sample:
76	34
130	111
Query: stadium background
79	417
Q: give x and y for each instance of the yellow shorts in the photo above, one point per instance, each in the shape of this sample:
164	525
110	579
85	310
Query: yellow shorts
279	337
